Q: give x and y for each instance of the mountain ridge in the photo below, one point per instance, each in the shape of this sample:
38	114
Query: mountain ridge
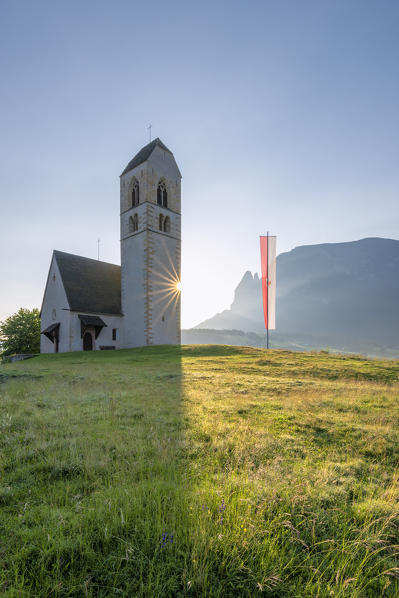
342	292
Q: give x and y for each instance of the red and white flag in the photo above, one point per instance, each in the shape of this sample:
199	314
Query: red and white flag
268	262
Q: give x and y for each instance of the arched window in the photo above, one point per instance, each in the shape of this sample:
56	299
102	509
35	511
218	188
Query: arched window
162	195
166	225
161	219
133	224
135	193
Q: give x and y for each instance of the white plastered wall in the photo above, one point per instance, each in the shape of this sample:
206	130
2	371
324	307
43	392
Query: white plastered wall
55	308
105	336
133	290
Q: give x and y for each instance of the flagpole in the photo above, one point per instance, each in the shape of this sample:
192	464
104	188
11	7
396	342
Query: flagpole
267	291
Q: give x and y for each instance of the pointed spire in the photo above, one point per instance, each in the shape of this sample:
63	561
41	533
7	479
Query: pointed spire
144	154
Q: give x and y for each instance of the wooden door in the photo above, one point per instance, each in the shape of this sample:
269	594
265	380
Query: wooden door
87	342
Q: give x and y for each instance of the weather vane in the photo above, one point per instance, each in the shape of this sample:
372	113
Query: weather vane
149	131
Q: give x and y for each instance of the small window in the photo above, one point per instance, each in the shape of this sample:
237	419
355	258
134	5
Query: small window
54	314
166	225
161	219
115	334
133	223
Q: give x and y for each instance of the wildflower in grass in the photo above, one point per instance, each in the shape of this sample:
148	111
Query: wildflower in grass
204	507
166	539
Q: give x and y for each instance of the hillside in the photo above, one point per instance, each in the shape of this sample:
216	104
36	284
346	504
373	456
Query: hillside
199	471
344	295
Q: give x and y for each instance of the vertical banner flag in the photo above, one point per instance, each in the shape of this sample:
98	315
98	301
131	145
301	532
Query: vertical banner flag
268	262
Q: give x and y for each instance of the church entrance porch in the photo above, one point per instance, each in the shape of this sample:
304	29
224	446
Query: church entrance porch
90	328
53	334
87	341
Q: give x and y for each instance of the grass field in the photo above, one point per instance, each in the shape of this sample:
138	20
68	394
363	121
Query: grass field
199	471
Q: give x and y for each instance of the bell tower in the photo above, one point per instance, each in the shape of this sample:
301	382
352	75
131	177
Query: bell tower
150	205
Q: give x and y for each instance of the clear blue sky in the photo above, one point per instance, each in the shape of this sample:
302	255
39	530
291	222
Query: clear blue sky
282	116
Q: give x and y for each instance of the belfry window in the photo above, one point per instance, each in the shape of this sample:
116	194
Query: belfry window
135	194
166	225
162	195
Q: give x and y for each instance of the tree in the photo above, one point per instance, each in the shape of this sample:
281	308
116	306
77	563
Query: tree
20	333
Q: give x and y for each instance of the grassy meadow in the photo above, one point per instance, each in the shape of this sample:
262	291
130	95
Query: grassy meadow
199	471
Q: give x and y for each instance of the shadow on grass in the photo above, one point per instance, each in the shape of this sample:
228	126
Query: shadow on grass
93	497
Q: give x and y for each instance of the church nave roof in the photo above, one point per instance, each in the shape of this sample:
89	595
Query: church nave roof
90	285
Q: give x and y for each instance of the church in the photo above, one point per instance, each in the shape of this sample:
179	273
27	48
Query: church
92	305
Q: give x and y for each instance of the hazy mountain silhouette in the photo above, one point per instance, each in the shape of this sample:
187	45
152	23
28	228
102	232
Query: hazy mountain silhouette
338	292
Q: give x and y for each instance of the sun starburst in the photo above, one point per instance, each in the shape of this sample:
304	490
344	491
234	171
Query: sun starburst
166	285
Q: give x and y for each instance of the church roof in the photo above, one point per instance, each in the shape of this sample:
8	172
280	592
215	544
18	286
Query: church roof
144	154
90	285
